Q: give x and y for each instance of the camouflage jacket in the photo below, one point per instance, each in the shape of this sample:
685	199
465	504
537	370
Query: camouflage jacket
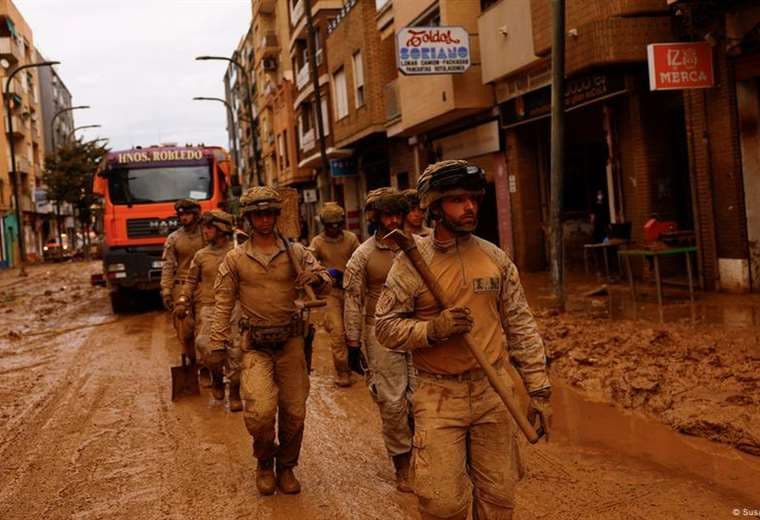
263	284
475	273
199	284
179	249
363	281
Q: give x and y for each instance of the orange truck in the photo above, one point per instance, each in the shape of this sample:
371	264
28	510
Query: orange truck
138	188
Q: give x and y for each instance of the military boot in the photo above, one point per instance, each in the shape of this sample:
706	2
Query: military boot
287	481
265	481
217	385
343	379
401	463
236	404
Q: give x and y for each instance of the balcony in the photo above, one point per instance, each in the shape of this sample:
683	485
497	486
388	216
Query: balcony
9	50
392	106
269	45
506	39
23	165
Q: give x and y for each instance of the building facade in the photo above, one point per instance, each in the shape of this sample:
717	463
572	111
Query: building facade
26	138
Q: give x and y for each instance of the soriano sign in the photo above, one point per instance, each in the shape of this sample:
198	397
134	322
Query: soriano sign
433	50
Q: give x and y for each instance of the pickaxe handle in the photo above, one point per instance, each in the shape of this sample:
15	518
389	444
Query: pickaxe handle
409	247
312	301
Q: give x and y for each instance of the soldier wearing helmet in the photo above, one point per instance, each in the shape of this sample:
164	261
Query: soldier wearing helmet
465	437
389	374
197	296
179	248
332	248
414	223
274	383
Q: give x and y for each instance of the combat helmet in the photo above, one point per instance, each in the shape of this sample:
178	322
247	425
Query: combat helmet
222	220
185	205
386	200
260	198
451	177
332	213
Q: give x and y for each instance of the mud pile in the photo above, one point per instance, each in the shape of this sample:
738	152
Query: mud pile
700	380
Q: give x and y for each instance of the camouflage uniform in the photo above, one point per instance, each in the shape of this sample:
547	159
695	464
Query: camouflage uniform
274	383
390	376
333	254
179	249
464	436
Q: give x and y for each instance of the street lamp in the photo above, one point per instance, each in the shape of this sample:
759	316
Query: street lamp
14	173
71	134
250	108
231	117
52	122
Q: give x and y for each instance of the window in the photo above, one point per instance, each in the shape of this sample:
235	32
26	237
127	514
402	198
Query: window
359	78
285	154
325	116
341	96
159	184
432	18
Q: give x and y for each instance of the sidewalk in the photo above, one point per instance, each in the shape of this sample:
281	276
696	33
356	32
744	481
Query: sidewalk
698	372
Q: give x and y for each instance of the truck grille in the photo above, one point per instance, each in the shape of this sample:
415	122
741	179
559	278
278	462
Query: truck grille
151	227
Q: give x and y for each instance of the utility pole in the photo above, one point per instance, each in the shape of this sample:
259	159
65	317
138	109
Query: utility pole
557	152
312	52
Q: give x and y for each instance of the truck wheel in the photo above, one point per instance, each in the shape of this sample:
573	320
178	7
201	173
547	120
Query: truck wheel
119	302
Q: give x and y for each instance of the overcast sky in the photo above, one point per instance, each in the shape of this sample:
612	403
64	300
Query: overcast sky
133	62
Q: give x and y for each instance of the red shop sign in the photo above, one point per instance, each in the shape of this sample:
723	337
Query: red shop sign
676	66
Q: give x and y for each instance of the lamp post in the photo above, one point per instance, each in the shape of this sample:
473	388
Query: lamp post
231	117
14	173
55	116
249	100
71	134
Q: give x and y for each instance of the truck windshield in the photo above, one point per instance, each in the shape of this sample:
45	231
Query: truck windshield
164	184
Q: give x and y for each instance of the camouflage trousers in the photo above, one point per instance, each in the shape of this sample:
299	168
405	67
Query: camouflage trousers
184	328
217	359
391	383
465	449
274	386
333	323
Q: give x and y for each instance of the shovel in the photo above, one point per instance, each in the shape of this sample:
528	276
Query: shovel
185	378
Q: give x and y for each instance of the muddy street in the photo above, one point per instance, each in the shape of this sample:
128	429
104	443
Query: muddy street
89	431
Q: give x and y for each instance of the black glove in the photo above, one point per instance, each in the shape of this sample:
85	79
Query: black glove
356	361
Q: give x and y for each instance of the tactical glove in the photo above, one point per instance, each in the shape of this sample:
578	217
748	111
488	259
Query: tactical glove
356	360
451	322
540	412
166	297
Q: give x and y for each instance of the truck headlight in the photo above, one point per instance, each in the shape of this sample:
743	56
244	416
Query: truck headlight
157	264
116	267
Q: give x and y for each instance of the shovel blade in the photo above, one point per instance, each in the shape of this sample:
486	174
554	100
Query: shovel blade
184	381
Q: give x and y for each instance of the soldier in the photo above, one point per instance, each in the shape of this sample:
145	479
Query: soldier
414	223
332	248
179	248
464	436
389	376
198	294
260	275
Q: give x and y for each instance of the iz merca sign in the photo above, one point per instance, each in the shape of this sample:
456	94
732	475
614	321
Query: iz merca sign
678	66
140	156
433	50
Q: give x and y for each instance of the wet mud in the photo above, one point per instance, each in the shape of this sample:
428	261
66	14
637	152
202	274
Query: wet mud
89	432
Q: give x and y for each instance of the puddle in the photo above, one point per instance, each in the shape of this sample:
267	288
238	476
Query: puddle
580	421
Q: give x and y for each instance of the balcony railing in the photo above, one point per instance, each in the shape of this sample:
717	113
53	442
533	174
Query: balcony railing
269	44
302	78
392	105
296	13
18	127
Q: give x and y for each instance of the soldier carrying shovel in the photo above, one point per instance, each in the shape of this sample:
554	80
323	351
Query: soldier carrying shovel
465	451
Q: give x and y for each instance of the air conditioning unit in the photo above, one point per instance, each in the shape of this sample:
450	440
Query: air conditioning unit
270	64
